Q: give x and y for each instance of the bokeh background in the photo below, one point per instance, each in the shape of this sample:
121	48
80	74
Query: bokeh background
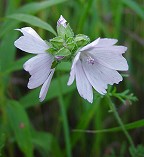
62	125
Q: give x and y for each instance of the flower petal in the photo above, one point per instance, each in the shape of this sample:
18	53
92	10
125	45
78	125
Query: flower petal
29	30
105	42
31	42
45	86
100	76
61	21
110	49
90	46
83	85
72	77
38	78
111	60
76	59
38	62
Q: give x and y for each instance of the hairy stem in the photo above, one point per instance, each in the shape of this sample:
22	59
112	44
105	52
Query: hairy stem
113	108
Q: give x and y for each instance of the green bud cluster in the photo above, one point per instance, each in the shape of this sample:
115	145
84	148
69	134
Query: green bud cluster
66	44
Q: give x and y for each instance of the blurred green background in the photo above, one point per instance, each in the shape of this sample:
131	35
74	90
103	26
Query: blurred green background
60	126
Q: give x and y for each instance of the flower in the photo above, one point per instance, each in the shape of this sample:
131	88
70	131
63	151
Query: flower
95	65
39	66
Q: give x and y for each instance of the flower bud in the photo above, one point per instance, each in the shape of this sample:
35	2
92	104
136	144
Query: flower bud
61	21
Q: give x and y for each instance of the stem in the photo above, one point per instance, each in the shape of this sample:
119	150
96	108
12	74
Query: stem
113	108
65	120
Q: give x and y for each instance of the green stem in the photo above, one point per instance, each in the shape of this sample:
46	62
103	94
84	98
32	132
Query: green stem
113	108
65	120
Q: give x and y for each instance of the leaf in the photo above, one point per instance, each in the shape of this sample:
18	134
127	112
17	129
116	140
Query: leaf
38	6
35	21
64	66
85	120
19	123
31	98
42	140
18	64
135	7
133	125
45	143
7	50
2	140
28	8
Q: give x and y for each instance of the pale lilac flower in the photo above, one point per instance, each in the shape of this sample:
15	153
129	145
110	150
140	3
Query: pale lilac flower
39	66
96	65
61	21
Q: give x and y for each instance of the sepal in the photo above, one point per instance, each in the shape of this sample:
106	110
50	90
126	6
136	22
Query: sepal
81	40
63	52
65	32
57	42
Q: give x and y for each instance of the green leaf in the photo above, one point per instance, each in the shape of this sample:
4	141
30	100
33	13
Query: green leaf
133	125
2	140
28	8
7	50
34	21
38	6
42	141
19	123
18	64
64	66
45	142
31	98
85	120
135	7
137	152
63	52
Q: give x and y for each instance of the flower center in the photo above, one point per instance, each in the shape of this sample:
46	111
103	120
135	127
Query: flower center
90	60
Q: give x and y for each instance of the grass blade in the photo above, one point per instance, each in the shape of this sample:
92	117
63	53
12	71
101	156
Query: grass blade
135	7
19	123
133	125
32	20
